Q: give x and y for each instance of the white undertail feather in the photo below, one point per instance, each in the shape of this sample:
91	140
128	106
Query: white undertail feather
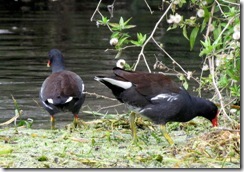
50	101
122	84
83	87
69	99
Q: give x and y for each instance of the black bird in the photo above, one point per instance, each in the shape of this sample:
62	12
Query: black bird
63	90
158	98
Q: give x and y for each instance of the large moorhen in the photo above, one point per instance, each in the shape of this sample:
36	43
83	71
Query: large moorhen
158	98
63	90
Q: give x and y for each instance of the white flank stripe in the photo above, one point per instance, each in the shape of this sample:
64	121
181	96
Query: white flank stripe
83	87
69	99
122	84
50	101
169	97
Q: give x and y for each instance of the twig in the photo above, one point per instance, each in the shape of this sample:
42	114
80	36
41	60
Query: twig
210	20
111	106
212	71
148	7
211	59
100	96
220	8
175	62
111	9
232	3
17	115
96	10
150	37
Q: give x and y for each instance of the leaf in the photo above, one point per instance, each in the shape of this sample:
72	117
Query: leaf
185	85
129	26
135	43
115	26
185	33
121	22
193	37
204	24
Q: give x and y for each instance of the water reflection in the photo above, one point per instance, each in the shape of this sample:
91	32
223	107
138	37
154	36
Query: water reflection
30	30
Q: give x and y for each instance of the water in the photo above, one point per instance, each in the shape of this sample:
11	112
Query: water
29	29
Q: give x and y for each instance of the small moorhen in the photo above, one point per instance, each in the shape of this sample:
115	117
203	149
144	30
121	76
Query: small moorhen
63	90
158	98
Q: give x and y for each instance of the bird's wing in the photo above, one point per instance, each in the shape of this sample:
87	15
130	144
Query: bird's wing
148	84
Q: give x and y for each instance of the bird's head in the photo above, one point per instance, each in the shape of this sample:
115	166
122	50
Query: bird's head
56	60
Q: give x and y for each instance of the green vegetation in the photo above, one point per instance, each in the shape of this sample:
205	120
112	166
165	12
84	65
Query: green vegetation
107	143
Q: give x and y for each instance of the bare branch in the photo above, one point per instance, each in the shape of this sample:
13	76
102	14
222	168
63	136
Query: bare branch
100	96
148	39
148	7
96	10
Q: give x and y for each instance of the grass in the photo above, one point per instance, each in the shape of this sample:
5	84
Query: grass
107	143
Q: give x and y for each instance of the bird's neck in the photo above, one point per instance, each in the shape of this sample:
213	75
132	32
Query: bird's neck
202	107
57	66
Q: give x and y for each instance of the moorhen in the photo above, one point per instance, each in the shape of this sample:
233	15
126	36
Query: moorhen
63	90
157	97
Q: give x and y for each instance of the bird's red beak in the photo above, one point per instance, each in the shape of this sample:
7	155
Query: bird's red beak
215	120
48	63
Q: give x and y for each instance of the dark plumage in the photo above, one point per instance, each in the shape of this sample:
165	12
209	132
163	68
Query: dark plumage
158	98
63	90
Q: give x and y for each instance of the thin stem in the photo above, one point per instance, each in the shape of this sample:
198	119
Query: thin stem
148	6
96	10
210	21
141	54
212	71
220	8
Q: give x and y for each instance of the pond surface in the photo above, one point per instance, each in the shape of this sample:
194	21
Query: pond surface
29	29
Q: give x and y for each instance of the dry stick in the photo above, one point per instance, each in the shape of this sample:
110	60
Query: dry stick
211	61
148	6
96	10
229	2
17	115
100	96
210	20
211	65
175	62
145	43
220	8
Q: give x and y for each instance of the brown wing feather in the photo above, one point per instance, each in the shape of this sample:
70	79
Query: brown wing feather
148	83
60	84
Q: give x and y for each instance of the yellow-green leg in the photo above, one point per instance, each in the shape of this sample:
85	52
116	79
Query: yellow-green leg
52	122
166	135
133	126
76	121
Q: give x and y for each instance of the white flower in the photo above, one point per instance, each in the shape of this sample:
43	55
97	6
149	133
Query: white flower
114	41
205	67
177	18
204	2
211	28
97	24
176	2
233	110
237	28
120	63
236	35
217	62
230	56
200	13
171	19
189	75
174	18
